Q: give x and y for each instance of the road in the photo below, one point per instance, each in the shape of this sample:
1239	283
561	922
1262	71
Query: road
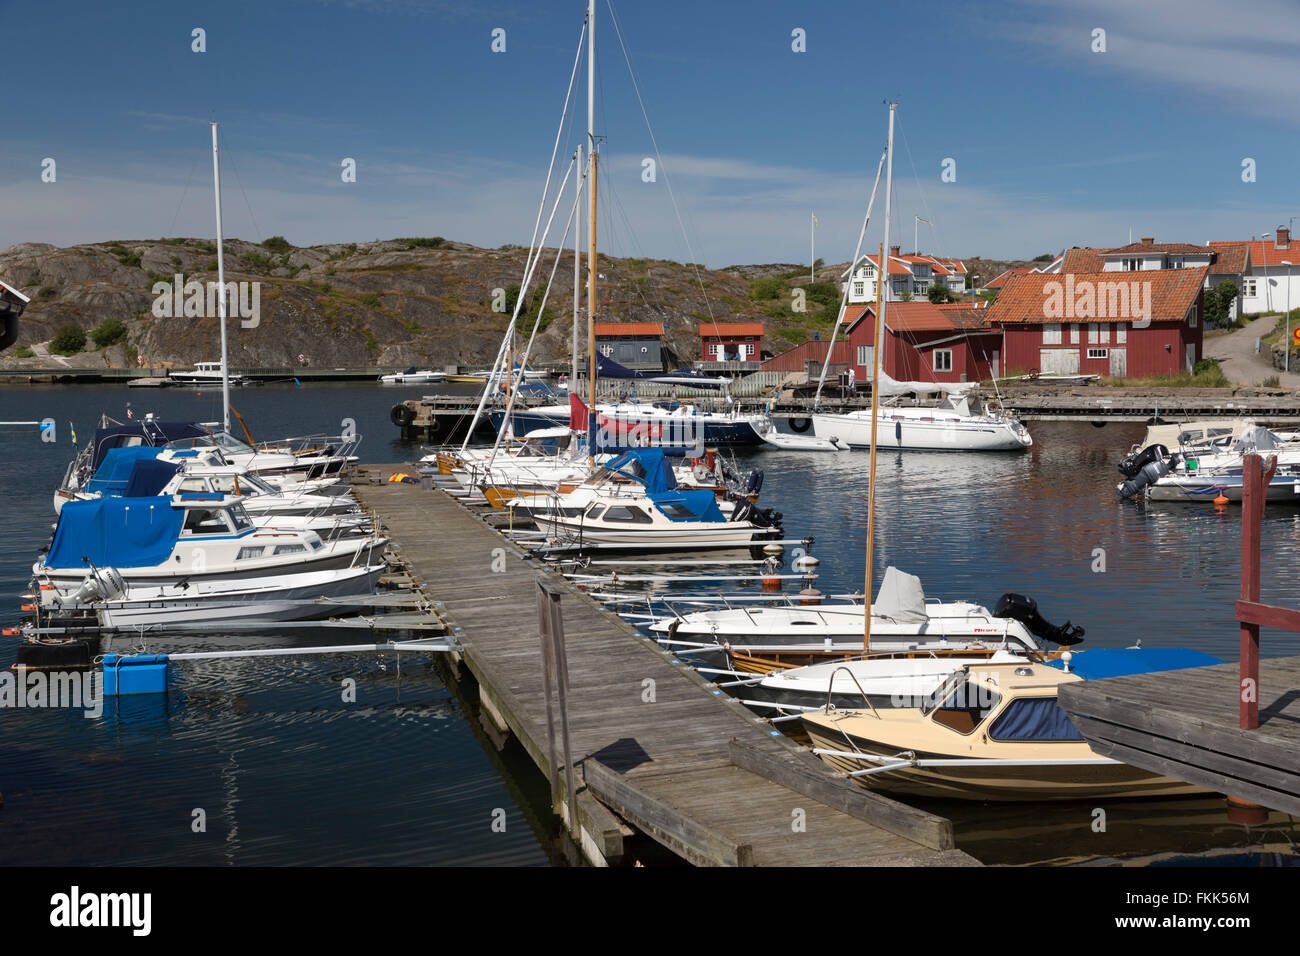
1238	359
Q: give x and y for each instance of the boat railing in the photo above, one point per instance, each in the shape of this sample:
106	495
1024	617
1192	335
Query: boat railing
830	689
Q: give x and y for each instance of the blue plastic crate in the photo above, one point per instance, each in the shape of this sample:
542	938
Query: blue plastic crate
135	674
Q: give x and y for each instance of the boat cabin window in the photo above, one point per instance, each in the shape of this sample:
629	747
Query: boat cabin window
240	518
246	553
678	511
1034	719
964	705
596	511
629	514
289	548
203	521
194	485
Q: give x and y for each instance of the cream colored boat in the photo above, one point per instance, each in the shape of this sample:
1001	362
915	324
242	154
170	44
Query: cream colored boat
990	732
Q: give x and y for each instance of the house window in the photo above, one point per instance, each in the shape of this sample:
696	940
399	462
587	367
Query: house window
943	360
1074	333
1098	353
1051	333
607	350
1191	317
865	358
859	289
1121	333
922	287
900	285
1249	289
1105	332
1133	265
715	350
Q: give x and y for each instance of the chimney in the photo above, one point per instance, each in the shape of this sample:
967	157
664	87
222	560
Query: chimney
895	250
1148	240
1283	240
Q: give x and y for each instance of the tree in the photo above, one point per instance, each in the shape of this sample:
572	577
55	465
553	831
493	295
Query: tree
278	243
1218	304
68	341
109	332
905	296
939	292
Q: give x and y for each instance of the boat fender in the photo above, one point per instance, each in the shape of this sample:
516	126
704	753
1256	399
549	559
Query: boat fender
755	483
402	415
1134	463
1017	607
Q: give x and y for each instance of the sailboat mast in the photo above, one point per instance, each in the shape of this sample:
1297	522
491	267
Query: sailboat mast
577	277
875	378
221	286
591	190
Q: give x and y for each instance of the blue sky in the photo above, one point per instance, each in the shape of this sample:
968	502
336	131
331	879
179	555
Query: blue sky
1055	145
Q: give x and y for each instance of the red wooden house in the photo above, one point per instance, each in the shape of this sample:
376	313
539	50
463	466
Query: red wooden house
731	341
1106	323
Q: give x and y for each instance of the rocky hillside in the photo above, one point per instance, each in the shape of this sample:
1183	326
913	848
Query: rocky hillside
395	302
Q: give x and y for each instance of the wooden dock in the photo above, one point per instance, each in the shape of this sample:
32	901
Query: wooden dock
1184	724
658	747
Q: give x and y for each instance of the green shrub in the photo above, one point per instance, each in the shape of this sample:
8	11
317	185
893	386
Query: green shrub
278	243
372	299
109	332
769	287
433	242
25	352
68	341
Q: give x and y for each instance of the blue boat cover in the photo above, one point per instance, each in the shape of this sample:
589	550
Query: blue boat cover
1034	718
147	433
1098	662
649	466
149	477
702	505
114	471
115	532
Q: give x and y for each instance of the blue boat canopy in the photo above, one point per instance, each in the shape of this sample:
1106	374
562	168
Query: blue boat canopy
114	471
683	505
142	433
649	466
149	477
115	532
1096	663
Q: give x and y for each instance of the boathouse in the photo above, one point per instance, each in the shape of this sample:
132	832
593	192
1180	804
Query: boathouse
1113	324
731	341
634	345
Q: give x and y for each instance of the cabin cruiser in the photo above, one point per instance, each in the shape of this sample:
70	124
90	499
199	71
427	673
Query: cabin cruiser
204	373
158	541
308	457
413	377
903	623
1208	464
955	424
995	731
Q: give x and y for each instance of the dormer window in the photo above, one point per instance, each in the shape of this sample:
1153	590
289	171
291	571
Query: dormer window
1133	265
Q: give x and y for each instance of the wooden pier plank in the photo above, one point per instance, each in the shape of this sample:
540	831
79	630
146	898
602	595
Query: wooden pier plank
660	753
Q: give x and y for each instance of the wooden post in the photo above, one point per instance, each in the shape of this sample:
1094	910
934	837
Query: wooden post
1252	508
555	669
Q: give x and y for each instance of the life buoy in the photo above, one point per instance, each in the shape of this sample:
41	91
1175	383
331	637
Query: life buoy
402	415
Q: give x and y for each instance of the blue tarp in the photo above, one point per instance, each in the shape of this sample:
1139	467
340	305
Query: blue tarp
114	472
143	433
1098	662
1034	718
149	477
115	532
647	465
702	505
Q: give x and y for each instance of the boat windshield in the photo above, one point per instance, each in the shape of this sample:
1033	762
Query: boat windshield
230	444
963	704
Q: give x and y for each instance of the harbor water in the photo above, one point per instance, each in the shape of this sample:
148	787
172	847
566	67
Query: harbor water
281	768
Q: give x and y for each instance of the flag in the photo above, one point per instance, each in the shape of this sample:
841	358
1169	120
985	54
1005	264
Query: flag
73	429
577	413
771	405
926	221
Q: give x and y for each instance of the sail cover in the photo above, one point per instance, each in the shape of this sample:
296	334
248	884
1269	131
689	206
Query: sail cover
892	386
901	597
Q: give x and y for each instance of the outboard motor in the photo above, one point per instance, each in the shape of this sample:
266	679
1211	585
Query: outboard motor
1017	607
1135	462
1149	474
101	584
755	482
746	510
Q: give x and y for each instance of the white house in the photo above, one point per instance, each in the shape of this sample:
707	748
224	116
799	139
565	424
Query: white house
1271	272
914	275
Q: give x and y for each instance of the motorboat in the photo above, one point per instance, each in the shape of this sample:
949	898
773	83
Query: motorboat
413	377
1208	465
903	623
996	732
771	436
159	541
204	373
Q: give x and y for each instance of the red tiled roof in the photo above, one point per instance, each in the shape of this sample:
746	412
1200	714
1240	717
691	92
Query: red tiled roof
853	313
1026	298
1233	258
928	317
629	328
1083	260
998	282
1264	253
1178	248
716	329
